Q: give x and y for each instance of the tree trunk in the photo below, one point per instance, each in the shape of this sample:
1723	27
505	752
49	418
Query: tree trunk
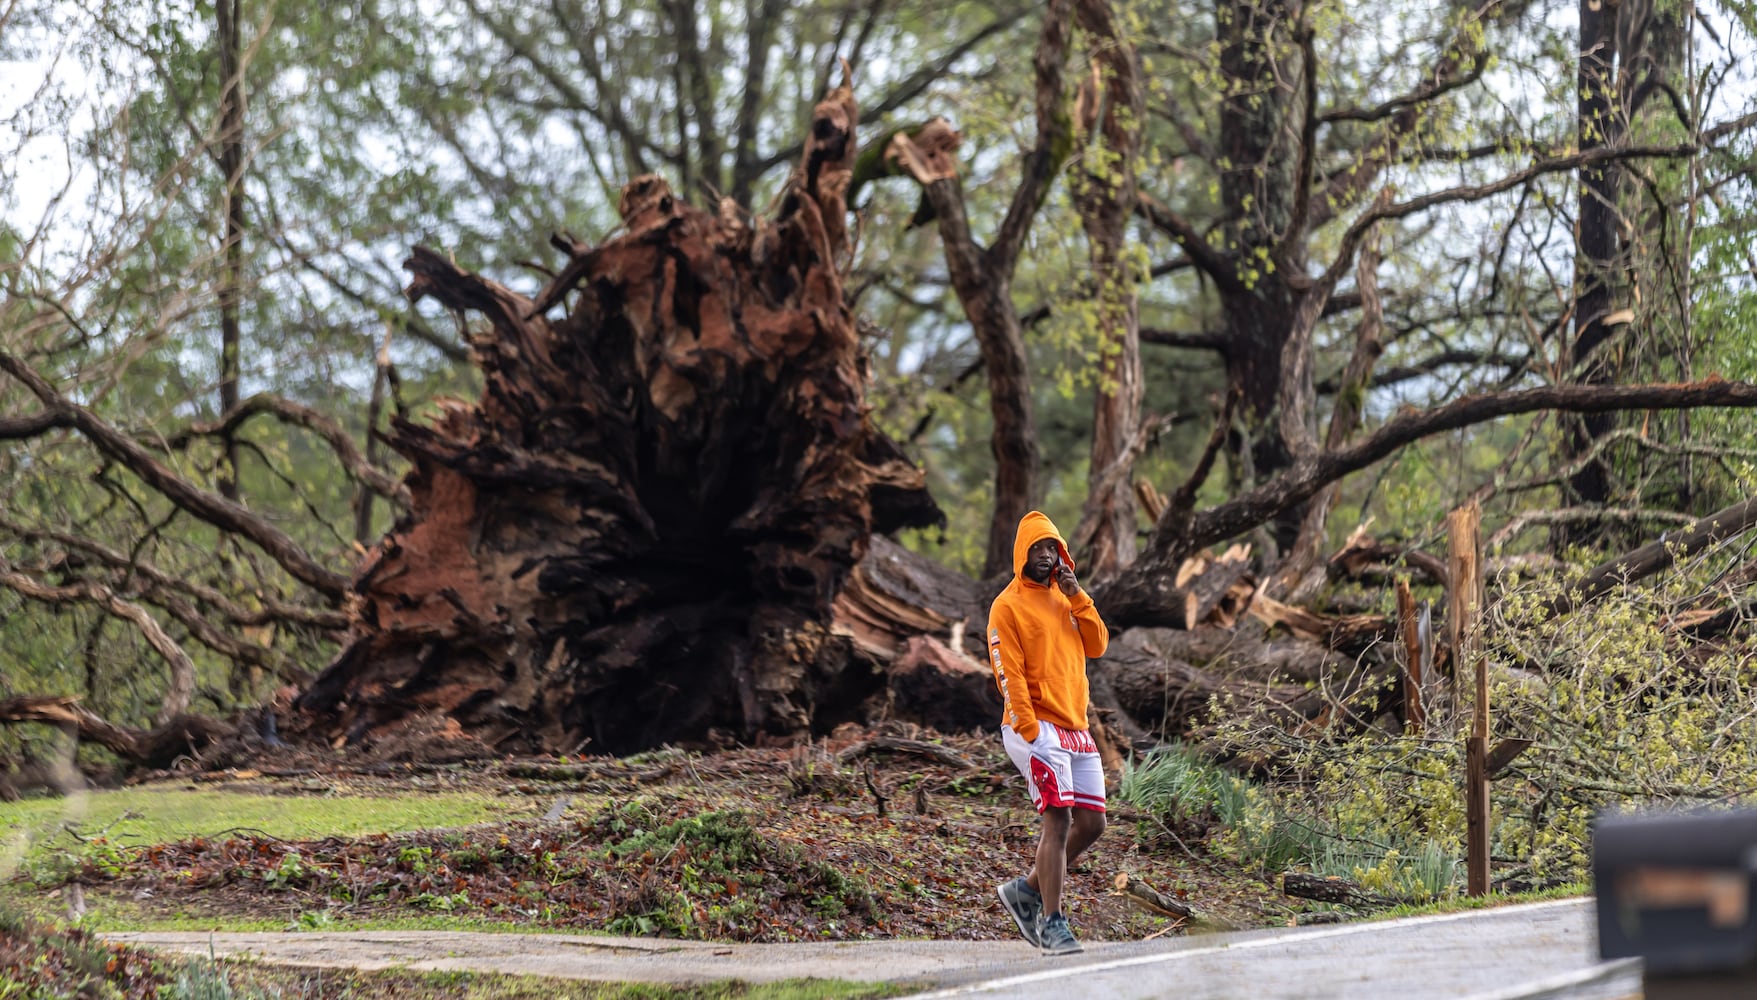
1334	889
1013	441
227	36
983	277
1294	577
1595	249
1259	60
1656	556
1166	680
364	496
983	284
637	534
1105	196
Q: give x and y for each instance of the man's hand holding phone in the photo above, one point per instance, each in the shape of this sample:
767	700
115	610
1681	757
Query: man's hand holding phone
1063	575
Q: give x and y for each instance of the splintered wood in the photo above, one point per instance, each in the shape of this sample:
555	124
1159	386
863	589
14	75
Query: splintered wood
1216	590
1150	899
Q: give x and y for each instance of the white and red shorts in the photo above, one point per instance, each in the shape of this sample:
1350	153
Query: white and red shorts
1062	767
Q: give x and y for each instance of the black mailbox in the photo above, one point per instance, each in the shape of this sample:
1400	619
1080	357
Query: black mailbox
1676	890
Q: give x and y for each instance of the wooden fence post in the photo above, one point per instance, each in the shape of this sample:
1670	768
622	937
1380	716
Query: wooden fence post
1414	715
1464	568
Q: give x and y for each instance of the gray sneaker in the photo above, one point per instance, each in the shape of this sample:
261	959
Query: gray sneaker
1055	937
1024	906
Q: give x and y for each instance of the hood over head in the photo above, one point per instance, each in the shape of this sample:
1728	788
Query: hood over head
1034	527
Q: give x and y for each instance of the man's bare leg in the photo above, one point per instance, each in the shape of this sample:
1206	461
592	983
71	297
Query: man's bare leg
1052	858
1087	825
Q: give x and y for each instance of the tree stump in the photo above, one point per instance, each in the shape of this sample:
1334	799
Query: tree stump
636	534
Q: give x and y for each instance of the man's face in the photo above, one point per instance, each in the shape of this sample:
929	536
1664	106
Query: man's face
1040	559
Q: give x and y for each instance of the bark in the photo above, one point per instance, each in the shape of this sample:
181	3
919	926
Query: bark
1168	680
639	532
1292	576
893	595
1353	633
1334	889
1257	59
934	685
231	160
1217	591
1595	248
375	404
1171	696
987	297
1150	899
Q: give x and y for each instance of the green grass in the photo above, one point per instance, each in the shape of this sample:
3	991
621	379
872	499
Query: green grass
294	983
156	815
106	912
1573	890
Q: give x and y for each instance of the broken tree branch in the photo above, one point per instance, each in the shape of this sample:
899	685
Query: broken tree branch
1333	889
1143	594
1150	899
210	507
158	747
1306	477
298	415
181	686
1656	555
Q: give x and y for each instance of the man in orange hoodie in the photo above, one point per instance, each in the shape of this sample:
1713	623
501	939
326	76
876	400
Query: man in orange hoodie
1041	629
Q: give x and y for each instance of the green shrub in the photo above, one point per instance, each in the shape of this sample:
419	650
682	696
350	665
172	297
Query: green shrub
1624	711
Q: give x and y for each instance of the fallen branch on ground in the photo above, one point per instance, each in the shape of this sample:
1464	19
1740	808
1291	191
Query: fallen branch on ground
1334	889
182	736
1152	900
901	745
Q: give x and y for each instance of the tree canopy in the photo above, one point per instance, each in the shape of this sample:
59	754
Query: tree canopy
1293	265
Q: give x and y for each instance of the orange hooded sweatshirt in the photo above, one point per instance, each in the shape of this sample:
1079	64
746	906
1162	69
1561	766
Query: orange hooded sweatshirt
1039	639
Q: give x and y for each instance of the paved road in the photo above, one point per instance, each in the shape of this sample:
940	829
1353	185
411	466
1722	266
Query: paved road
1540	950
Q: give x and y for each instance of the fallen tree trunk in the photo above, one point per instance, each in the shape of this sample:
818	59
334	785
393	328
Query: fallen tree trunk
637	534
1170	695
161	746
1657	555
1333	889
